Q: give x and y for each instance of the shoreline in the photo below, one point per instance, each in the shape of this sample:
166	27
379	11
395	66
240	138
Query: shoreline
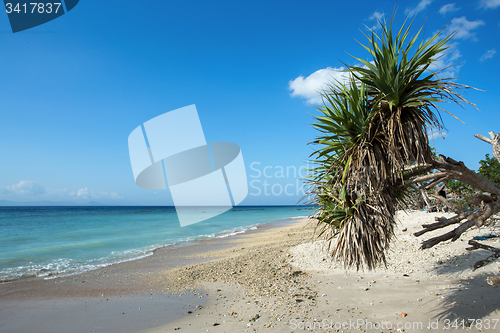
105	292
297	288
170	256
182	243
274	279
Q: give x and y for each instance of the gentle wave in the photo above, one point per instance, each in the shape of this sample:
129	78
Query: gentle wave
236	232
69	241
68	267
181	243
60	268
88	268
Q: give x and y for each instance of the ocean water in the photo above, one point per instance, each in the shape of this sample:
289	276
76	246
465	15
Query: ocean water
56	241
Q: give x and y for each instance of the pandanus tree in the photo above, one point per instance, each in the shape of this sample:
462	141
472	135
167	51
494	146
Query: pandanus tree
373	146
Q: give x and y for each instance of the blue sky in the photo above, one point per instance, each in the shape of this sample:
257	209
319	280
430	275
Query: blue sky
73	89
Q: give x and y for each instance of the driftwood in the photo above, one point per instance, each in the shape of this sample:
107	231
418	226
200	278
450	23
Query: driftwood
475	220
484	262
445	202
448	168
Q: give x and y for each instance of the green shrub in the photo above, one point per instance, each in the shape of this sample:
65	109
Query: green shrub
490	169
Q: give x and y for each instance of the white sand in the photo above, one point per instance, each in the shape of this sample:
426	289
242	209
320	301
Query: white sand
449	259
420	290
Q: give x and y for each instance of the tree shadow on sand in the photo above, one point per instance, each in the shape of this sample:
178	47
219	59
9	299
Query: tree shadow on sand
459	263
473	298
466	260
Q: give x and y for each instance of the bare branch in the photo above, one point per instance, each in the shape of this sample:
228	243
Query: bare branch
494	142
477	245
418	172
463	174
452	161
484	262
483	138
425	178
487	197
435	182
426	198
446	203
472	220
417	166
443	222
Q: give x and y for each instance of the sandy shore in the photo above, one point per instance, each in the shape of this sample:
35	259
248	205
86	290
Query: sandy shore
283	281
277	279
126	297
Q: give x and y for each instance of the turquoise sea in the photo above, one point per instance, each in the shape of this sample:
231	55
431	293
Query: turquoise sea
53	241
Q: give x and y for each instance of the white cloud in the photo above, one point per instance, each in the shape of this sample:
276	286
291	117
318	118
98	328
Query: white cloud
448	63
488	55
31	188
57	192
448	8
433	133
311	86
463	28
106	195
374	20
26	187
489	4
421	6
85	193
377	16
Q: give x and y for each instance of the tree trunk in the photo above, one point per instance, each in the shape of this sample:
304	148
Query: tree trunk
494	141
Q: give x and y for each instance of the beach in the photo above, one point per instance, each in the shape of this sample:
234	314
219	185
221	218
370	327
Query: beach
277	278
